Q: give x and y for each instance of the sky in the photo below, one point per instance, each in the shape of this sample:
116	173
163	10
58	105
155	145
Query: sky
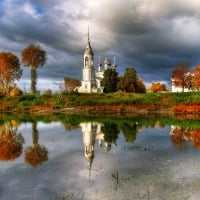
152	36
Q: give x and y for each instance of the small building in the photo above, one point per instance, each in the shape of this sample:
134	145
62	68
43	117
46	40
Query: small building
91	79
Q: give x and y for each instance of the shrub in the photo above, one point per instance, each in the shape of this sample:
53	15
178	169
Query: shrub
27	97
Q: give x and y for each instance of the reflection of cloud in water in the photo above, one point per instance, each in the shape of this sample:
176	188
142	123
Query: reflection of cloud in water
187	169
161	173
53	137
42	125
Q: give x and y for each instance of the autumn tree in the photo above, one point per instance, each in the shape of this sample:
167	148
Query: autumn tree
178	74
9	71
11	143
157	86
33	56
190	81
110	80
71	84
140	86
196	77
36	154
177	136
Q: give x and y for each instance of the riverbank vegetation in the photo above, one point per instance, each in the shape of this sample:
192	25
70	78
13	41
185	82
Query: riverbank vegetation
119	101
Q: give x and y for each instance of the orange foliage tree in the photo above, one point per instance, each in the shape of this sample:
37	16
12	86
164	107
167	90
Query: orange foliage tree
180	135
9	71
189	81
140	86
177	135
10	142
157	86
196	77
178	74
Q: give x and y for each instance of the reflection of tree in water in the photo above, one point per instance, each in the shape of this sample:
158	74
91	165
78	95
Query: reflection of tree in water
180	136
195	137
10	141
177	136
70	122
159	124
129	130
70	127
35	155
111	132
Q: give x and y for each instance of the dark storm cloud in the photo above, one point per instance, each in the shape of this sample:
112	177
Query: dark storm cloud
151	35
157	38
24	27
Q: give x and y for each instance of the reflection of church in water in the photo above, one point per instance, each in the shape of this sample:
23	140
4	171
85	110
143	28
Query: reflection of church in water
92	133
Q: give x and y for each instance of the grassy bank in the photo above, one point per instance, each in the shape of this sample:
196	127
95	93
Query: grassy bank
116	101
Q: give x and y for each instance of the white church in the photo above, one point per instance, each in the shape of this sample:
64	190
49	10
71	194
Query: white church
91	79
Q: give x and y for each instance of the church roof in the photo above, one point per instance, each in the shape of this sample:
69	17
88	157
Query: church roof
88	49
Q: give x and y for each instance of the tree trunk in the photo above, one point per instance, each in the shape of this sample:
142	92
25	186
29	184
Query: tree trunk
33	80
35	134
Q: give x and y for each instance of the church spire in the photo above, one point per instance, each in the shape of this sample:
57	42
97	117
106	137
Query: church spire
88	47
88	34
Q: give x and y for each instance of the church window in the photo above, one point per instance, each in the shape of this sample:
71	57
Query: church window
86	61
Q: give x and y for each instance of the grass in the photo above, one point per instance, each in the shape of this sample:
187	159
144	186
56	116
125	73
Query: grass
118	98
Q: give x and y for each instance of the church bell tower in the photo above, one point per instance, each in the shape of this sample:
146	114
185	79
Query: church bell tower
88	81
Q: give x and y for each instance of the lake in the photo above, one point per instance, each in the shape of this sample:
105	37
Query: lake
60	157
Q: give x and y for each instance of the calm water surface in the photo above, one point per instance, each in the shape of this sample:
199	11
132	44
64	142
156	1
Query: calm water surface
99	160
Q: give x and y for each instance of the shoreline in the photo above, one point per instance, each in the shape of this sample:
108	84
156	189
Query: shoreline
120	109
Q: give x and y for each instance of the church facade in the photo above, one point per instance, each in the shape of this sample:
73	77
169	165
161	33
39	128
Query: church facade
91	78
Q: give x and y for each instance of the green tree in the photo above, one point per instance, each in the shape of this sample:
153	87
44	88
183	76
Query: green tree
9	71
130	131
33	56
111	132
128	81
110	80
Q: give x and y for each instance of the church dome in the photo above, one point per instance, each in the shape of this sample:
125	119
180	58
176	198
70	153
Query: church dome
107	61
